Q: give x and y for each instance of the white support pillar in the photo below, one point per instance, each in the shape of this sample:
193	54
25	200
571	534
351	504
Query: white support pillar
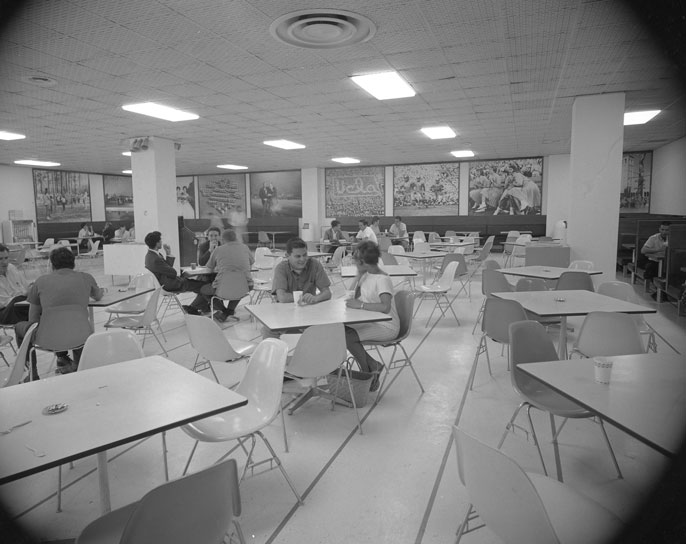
595	179
154	191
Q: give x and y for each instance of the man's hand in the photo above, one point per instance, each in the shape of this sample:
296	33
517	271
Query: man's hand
213	245
167	249
308	298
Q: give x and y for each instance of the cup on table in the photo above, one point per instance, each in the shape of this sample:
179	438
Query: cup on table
297	297
194	266
602	367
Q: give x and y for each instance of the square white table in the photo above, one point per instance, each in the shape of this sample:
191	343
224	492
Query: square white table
451	245
108	406
646	396
543	272
284	316
393	270
571	303
424	257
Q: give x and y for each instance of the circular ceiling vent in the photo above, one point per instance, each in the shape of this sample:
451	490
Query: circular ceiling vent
41	81
322	29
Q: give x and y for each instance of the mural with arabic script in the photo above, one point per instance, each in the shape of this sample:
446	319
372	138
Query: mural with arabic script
354	192
426	189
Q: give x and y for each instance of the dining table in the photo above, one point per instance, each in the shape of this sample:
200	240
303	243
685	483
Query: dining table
393	270
50	422
645	397
548	273
566	303
425	257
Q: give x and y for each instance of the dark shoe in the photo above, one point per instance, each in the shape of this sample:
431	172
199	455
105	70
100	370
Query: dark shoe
219	316
64	362
65	369
190	310
375	382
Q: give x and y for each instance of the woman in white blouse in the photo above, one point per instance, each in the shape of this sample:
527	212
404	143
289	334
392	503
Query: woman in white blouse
373	292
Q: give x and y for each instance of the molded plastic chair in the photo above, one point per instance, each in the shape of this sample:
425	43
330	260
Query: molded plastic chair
261	385
142	323
313	359
388	259
434	237
440	290
581	265
624	291
418	236
398	252
109	347
208	339
196	508
135	305
262	259
491	264
498	314
484	252
462	273
508	248
575	279
536	284
421	247
263	239
333	267
21	360
95	247
450	233
608	333
492	281
384	243
529	343
468	249
404	303
519	248
528	508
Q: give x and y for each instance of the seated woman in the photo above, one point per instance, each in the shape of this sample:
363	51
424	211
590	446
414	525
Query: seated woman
85	235
373	292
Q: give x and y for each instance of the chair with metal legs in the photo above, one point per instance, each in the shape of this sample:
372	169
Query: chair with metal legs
142	323
491	282
21	360
439	291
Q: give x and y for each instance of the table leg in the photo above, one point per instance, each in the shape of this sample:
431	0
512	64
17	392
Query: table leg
562	347
556	448
104	481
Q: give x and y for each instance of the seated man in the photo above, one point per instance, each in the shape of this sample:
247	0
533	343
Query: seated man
298	272
366	232
654	251
13	289
231	256
85	235
334	235
108	233
206	248
61	290
398	230
161	267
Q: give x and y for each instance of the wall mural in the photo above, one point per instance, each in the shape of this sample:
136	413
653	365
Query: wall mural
511	186
61	197
276	194
118	192
426	189
636	179
354	192
221	195
185	197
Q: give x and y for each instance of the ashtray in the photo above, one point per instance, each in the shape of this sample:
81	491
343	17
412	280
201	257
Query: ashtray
53	409
559	299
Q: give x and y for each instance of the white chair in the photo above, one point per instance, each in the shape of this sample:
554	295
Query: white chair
95	247
333	267
21	360
519	248
508	246
574	280
198	508
263	261
137	304
450	233
434	237
263	239
398	252
469	248
418	236
527	508
210	343
142	323
440	290
484	252
420	246
492	281
5	341
581	265
608	333
261	385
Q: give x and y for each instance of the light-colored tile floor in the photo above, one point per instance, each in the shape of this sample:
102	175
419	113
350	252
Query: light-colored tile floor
395	483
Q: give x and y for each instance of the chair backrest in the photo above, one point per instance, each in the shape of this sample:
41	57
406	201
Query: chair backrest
519	249
337	257
529	343
312	357
531	284
49	242
434	237
493	281
418	235
469	248
404	305
144	282
62	328
262	260
491	264
450	233
486	250
207	338
109	347
498	314
233	285
396	250
22	356
511	239
384	243
65	243
263	237
195	508
449	258
502	493
388	259
581	265
574	279
445	282
616	289
17	256
262	383
609	333
150	313
422	247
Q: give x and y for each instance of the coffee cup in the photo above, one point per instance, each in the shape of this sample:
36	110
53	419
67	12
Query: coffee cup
349	294
602	367
194	266
297	297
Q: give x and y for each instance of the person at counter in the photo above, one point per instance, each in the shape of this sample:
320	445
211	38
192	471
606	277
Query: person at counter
334	236
206	248
162	268
13	289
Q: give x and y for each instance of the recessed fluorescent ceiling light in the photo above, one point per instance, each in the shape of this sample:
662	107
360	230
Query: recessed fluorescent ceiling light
232	167
346	160
10	136
31	162
127	171
126	153
384	86
463	153
438	133
639	117
283	144
160	111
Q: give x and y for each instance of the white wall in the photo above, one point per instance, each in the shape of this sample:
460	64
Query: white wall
16	192
668	190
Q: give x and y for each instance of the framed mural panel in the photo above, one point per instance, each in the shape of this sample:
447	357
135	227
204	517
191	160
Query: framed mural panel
221	195
118	192
185	197
637	171
354	192
61	197
510	186
276	194
426	189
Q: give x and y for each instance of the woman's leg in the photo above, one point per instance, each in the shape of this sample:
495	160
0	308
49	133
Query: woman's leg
365	361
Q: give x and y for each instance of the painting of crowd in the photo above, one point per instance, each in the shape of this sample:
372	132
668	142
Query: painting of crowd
276	194
354	192
511	186
426	189
635	184
185	197
219	195
118	198
61	196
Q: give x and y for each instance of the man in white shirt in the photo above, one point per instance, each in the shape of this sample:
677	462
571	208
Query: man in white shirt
366	233
398	230
654	250
13	289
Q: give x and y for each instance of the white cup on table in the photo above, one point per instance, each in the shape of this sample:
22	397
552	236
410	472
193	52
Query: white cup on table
297	296
602	368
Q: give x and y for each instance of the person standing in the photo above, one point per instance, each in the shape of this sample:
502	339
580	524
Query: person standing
13	289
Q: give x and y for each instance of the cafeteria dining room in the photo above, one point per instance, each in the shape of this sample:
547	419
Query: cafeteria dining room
504	148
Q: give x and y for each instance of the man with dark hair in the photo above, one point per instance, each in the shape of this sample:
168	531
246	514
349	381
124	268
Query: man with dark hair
207	247
366	233
398	231
162	267
654	250
13	289
61	290
335	236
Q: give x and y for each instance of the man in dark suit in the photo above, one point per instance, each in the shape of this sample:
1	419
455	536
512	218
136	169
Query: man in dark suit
162	268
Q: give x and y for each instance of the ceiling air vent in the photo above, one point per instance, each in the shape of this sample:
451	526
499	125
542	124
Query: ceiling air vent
317	29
